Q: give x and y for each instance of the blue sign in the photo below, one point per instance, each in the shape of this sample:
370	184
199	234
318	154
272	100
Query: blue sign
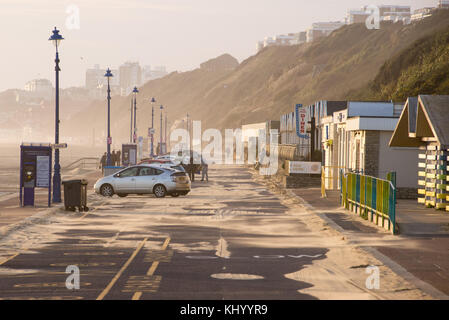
298	125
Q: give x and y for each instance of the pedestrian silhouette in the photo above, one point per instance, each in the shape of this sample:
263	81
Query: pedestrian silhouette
119	159
191	168
103	162
113	158
204	170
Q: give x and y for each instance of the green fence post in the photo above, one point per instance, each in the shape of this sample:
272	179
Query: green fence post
393	211
379	199
391	176
362	195
370	196
354	189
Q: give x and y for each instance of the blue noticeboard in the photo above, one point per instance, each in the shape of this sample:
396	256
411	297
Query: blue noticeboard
303	136
35	171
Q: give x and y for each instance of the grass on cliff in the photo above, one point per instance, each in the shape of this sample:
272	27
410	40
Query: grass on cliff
422	68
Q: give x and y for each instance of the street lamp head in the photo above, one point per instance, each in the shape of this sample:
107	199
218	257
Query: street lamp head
108	73
153	100
135	90
56	38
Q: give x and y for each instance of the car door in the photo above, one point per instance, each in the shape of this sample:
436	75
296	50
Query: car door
125	181
146	180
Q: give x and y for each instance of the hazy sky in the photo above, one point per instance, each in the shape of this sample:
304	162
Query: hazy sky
179	34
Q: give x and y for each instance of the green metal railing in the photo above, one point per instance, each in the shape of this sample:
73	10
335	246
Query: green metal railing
372	198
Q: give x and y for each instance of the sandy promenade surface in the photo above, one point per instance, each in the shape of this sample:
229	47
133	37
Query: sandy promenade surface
230	238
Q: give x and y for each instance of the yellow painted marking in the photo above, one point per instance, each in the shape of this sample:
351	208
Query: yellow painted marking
10	258
90	211
93	210
84	215
152	269
166	242
137	295
117	276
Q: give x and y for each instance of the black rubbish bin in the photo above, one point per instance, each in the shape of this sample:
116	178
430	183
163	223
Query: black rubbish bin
75	195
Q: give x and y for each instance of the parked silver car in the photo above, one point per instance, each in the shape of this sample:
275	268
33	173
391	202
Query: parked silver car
169	165
144	179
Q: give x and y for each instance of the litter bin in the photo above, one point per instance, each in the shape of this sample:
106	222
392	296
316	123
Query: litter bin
75	195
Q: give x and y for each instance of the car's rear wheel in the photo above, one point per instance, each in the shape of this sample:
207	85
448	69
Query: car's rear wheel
175	194
107	190
160	191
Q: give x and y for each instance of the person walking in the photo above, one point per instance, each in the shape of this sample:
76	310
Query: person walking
119	159
103	162
204	170
113	158
191	168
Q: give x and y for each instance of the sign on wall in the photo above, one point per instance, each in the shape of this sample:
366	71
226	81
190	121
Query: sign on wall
301	121
304	167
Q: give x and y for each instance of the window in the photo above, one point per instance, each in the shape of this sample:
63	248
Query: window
150	172
131	172
146	172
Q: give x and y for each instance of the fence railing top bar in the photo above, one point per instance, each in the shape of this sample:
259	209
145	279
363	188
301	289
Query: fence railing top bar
391	183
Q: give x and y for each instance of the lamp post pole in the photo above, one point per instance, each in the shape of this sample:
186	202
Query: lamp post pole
161	132
152	127
131	126
108	159
165	131
56	39
135	91
188	132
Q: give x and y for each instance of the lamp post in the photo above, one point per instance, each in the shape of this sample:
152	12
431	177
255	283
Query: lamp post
188	132
165	131
135	92
131	126
56	38
152	127
109	142
161	132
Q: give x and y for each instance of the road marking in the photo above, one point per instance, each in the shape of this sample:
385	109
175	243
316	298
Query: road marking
165	245
117	276
222	249
84	215
137	295
90	211
93	210
10	258
152	269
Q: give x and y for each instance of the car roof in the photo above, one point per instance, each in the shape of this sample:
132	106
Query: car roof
146	165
